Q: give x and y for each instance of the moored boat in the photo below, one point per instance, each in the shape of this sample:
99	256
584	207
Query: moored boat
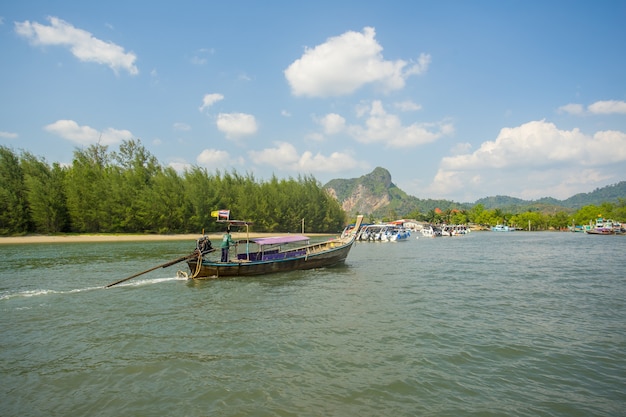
399	234
604	227
430	231
502	228
259	256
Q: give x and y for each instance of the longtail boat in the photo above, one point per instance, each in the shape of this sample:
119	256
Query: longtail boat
266	255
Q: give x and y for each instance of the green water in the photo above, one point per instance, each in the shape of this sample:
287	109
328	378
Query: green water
489	324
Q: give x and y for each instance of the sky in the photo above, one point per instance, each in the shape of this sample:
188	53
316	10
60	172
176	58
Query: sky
459	100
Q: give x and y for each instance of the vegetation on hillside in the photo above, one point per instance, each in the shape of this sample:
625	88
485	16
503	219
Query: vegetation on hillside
543	214
533	220
128	191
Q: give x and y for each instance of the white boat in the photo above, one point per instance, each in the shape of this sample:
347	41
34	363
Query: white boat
430	231
399	234
604	227
382	233
502	228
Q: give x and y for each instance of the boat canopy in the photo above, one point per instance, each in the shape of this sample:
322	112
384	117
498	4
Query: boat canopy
277	240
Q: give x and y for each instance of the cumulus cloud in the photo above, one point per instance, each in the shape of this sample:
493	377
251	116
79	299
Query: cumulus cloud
236	125
599	107
85	135
179	165
407	105
385	128
344	63
608	107
8	135
284	156
332	123
213	158
572	108
210	99
81	43
184	127
552	160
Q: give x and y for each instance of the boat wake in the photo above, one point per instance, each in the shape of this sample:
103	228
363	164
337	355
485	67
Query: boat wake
141	282
36	293
43	292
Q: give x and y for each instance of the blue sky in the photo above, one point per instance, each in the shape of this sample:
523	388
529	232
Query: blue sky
457	99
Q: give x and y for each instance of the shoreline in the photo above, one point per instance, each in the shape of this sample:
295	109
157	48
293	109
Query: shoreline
88	238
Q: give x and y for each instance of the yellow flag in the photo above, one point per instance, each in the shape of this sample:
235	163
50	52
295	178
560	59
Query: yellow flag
215	213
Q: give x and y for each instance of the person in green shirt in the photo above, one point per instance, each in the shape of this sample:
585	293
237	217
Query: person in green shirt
227	241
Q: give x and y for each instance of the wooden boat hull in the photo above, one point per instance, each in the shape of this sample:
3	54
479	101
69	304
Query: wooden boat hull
310	260
600	232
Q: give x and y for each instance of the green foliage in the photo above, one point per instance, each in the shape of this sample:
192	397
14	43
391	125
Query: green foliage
14	216
45	195
127	191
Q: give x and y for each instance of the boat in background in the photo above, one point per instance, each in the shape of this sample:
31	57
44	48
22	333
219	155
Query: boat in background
384	232
430	231
502	228
399	234
259	256
604	227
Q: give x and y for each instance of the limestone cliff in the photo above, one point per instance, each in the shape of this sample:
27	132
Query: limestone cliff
367	194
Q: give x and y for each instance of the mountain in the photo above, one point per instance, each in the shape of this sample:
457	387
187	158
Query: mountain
376	195
610	193
365	194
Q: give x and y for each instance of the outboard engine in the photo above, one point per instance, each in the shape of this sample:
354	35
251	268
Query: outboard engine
204	244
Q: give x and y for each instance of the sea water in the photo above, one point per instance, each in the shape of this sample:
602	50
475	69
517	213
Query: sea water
487	324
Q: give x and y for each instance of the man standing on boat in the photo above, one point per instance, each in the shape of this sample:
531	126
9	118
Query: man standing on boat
227	241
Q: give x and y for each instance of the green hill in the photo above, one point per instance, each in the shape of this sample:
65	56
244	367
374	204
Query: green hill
376	195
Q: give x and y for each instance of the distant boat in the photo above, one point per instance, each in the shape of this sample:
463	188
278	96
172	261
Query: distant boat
604	227
430	231
382	233
267	255
399	234
502	228
454	230
600	231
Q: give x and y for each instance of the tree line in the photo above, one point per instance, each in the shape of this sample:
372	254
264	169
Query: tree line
128	191
534	219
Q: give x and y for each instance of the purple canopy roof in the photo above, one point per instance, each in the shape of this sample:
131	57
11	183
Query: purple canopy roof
279	239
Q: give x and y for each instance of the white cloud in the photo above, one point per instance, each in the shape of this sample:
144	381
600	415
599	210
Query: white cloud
210	99
201	56
599	107
285	157
332	123
382	127
179	165
345	63
184	127
407	105
607	107
8	135
85	135
282	155
81	43
537	158
572	108
212	157
236	125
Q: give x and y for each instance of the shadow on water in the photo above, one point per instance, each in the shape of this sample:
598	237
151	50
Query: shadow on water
279	278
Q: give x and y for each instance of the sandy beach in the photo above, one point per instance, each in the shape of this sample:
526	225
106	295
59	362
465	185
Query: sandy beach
14	240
